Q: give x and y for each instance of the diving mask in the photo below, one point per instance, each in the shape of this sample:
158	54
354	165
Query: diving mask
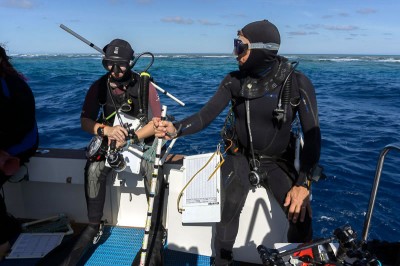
239	47
116	66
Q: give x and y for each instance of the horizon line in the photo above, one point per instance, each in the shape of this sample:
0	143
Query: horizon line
205	53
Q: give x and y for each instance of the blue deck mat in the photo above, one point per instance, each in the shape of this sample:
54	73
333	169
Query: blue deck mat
118	246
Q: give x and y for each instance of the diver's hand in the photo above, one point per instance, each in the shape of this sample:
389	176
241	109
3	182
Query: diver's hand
298	200
118	144
117	133
163	129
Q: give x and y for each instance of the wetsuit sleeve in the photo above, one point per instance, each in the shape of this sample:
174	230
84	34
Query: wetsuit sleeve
91	106
208	112
154	102
19	112
308	113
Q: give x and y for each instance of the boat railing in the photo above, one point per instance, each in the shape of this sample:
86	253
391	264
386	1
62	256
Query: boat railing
374	190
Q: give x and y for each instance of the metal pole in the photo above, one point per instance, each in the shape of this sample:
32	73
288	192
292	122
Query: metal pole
374	190
168	94
153	186
102	52
81	38
314	244
167	151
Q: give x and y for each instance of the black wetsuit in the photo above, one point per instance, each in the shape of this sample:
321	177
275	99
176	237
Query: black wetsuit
269	141
18	135
96	172
97	96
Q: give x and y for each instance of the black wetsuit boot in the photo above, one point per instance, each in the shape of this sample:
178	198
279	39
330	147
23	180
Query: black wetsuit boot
70	251
225	258
84	240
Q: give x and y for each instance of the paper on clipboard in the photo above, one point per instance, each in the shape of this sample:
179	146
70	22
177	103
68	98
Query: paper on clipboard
34	245
202	198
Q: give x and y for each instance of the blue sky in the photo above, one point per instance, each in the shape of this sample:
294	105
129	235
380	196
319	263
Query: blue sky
200	26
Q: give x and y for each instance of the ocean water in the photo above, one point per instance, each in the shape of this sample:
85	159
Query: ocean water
359	106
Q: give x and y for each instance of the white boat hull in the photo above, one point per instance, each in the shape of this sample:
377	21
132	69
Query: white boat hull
56	185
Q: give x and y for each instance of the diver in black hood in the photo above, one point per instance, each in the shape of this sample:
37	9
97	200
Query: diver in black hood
267	95
259	61
118	90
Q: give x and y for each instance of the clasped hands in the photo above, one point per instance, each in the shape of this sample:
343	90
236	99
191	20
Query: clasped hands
163	129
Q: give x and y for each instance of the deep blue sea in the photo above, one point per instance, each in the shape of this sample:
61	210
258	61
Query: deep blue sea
359	106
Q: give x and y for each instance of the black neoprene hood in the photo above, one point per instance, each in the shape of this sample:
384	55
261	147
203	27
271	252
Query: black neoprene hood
118	50
260	60
262	31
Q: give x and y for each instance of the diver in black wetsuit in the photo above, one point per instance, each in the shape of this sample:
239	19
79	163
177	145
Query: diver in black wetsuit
255	92
118	89
19	137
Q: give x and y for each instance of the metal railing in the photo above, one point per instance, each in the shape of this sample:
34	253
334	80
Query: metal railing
374	191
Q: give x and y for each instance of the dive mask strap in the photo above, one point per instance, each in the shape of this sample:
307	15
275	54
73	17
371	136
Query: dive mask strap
260	45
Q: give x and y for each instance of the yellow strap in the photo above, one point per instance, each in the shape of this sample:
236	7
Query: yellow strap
111	115
145	74
201	169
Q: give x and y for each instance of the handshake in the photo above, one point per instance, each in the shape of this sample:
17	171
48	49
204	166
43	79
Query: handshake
164	129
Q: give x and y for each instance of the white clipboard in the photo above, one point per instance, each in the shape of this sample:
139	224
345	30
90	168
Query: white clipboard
201	201
34	245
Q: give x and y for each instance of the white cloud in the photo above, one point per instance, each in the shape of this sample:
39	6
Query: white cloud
208	23
341	28
366	11
144	1
23	4
301	33
177	20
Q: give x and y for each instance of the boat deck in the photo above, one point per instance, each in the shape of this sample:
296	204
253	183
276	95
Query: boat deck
54	185
119	245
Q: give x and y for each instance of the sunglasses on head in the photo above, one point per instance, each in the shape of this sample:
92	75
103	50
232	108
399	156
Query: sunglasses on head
239	47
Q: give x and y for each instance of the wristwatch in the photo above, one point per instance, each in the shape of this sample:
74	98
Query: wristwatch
100	131
306	184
